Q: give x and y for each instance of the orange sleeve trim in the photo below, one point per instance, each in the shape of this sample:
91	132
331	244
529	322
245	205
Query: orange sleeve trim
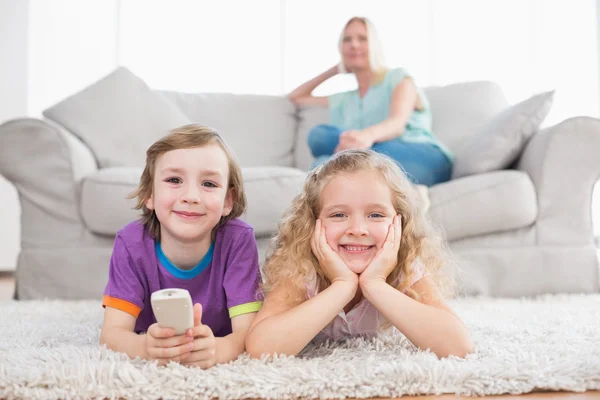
122	305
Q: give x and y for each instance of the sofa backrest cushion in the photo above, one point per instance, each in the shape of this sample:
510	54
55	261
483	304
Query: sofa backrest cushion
118	117
461	109
260	129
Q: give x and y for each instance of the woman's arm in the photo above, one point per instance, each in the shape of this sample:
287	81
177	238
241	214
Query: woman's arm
283	326
429	324
404	101
302	94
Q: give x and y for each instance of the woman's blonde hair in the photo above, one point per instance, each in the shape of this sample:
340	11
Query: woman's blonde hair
292	261
376	58
185	137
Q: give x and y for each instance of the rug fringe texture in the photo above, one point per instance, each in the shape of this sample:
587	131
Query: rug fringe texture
50	350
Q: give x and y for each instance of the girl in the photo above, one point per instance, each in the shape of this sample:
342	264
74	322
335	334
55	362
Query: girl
189	237
355	256
388	112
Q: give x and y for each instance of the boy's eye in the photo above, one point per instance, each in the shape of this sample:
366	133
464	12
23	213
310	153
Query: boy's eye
173	180
210	184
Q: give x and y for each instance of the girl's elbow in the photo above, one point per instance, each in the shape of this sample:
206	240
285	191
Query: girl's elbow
458	350
255	351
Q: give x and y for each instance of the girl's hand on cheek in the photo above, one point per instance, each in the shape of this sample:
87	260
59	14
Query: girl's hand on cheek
386	258
333	266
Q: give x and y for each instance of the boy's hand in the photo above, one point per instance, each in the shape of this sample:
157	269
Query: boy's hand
204	351
332	264
162	345
386	258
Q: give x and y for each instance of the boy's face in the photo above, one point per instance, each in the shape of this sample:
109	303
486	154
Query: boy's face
190	192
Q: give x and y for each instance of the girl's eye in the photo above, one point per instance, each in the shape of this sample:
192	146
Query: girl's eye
173	180
210	184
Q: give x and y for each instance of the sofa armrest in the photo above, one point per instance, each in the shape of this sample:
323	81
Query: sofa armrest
563	161
45	162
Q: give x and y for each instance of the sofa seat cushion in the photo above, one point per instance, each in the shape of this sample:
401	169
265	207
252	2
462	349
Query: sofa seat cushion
105	208
481	204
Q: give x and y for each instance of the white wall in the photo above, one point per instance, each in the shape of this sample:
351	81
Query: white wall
72	43
48	50
13	103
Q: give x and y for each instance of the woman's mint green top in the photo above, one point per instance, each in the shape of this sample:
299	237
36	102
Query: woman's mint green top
348	110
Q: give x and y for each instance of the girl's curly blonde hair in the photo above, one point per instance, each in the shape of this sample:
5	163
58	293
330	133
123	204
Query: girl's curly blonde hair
293	262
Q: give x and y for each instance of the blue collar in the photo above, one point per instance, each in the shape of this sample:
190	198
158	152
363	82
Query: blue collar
184	273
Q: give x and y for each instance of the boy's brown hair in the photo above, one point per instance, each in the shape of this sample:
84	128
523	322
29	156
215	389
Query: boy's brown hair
186	137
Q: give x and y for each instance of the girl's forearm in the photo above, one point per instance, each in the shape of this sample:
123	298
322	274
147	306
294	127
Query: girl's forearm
124	341
427	327
290	331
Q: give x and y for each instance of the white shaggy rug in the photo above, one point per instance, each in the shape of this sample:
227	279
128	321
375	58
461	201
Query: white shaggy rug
50	350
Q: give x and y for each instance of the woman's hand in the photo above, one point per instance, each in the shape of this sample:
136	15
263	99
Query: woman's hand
333	266
354	139
386	258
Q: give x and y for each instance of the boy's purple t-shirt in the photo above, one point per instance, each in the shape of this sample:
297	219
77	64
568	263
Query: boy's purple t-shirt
230	279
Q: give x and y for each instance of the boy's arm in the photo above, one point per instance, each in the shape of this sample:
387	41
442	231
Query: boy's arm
232	345
286	326
428	324
118	335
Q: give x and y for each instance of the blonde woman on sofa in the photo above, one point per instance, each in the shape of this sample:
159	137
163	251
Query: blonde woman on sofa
387	113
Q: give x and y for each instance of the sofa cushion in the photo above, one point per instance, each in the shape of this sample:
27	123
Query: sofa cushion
260	129
308	117
118	117
105	208
460	109
500	142
481	204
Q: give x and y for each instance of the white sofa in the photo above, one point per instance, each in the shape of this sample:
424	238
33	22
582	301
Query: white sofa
526	230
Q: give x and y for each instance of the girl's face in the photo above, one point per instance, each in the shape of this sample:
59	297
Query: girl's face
356	211
355	46
190	193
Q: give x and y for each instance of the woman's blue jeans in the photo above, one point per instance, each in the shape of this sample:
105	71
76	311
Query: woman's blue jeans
424	163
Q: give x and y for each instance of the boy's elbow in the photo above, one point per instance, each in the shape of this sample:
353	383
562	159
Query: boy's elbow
103	338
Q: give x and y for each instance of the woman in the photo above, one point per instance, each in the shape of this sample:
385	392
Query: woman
387	113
